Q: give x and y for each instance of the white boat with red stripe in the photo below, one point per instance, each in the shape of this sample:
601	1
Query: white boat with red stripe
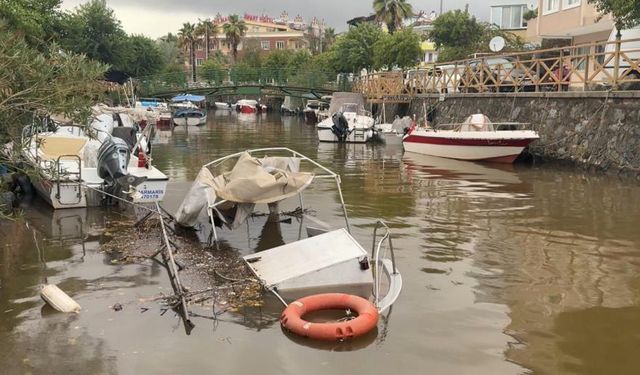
476	139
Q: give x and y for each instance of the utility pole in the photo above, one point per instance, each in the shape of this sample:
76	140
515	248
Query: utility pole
440	7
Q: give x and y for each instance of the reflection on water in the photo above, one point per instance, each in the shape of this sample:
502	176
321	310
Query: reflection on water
506	269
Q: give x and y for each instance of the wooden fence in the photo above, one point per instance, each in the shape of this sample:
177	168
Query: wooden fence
586	67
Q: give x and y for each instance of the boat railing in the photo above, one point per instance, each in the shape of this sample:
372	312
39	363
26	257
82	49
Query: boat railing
382	265
326	174
497	126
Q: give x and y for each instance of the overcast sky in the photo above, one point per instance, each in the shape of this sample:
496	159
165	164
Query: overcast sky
158	17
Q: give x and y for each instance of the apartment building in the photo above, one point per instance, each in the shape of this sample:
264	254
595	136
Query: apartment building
510	15
577	21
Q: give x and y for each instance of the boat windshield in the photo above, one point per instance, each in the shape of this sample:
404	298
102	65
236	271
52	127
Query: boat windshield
349	107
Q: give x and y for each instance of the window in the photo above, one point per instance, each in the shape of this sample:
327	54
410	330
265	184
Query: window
199	62
508	17
280	44
265	45
550	6
199	46
570	4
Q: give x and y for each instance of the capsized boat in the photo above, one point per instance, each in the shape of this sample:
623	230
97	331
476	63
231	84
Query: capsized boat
327	260
349	122
477	138
76	170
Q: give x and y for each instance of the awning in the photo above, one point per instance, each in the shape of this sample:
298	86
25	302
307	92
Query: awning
188	98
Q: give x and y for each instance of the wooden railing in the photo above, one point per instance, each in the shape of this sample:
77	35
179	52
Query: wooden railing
586	67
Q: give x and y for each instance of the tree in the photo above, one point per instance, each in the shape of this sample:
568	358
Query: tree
44	82
401	50
392	12
207	29
143	57
353	51
328	39
169	50
457	35
93	29
212	71
625	13
234	30
39	21
187	39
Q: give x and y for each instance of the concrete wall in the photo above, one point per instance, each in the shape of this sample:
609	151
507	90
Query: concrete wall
597	130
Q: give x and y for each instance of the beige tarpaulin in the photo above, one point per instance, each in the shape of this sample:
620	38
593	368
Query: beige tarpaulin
251	181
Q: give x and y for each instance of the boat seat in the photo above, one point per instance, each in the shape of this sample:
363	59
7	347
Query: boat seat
51	148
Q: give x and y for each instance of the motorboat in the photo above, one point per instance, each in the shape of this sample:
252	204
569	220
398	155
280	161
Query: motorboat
80	166
310	111
323	111
187	109
190	117
290	106
324	259
222	105
349	122
477	139
247	106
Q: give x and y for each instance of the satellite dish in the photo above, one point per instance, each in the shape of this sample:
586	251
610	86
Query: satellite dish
496	44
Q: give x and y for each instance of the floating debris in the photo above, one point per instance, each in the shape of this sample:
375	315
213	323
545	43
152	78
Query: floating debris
58	299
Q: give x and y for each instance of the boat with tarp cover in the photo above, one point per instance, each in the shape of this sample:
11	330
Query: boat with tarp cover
325	260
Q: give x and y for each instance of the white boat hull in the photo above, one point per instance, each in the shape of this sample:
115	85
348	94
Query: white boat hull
356	136
220	105
190	121
500	147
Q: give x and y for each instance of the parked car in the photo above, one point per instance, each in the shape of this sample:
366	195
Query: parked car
496	74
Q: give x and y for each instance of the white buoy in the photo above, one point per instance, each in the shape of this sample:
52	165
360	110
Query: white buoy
58	299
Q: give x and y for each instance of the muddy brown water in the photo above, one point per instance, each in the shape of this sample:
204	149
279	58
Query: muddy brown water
507	270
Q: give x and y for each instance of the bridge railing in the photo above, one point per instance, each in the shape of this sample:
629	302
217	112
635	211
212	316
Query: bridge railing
241	76
586	67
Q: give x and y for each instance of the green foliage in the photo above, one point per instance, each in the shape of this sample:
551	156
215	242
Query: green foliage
455	29
174	74
92	29
354	50
625	13
43	82
401	49
213	72
234	30
251	53
530	14
244	73
392	12
206	28
187	39
38	20
142	56
169	50
458	35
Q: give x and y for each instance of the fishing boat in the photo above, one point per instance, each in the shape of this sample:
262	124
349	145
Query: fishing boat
477	139
188	109
323	110
392	134
349	122
289	106
76	170
326	260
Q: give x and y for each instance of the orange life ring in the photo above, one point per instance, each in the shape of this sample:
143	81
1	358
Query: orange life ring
366	320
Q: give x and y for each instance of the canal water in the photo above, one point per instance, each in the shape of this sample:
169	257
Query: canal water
506	269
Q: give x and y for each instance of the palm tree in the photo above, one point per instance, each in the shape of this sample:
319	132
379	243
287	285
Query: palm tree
207	29
329	38
392	12
187	37
234	30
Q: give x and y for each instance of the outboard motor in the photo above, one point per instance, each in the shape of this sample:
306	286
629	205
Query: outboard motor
113	160
340	126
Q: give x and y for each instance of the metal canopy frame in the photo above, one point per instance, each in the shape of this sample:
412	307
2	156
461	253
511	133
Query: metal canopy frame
327	174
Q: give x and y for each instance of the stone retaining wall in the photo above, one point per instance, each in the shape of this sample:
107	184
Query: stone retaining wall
598	130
